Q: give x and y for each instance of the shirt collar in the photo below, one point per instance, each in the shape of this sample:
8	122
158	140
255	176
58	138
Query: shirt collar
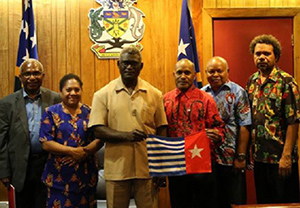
140	86
224	86
26	96
188	93
272	76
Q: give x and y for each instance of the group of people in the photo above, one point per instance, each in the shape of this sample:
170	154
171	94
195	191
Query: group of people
49	140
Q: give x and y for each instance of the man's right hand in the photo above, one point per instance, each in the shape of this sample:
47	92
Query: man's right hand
136	136
5	181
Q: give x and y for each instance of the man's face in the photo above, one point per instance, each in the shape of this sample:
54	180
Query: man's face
184	75
217	73
130	66
31	77
264	57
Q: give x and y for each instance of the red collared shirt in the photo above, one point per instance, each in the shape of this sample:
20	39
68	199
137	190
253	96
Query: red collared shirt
190	112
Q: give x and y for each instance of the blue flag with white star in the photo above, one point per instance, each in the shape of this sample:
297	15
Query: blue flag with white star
27	41
187	42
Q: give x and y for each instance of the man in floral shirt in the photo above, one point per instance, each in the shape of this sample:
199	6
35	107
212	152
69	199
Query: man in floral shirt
234	108
274	99
190	110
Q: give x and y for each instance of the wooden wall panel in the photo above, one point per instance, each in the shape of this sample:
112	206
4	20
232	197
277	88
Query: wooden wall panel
60	50
276	3
87	63
43	19
64	44
4	47
250	3
223	3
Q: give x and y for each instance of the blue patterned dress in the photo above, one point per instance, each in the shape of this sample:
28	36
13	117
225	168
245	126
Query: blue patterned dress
68	186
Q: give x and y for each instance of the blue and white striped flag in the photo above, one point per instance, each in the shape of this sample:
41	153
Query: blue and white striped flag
169	156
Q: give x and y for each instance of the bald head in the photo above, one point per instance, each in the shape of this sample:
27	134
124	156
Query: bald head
184	74
31	63
217	72
217	59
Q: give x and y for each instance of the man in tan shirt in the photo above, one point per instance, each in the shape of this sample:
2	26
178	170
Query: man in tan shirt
123	113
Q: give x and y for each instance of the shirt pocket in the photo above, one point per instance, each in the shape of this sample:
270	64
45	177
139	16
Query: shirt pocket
148	114
273	104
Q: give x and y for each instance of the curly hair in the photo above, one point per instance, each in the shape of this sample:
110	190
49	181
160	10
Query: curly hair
269	40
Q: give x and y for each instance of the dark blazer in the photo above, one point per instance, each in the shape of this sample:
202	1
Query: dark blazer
14	134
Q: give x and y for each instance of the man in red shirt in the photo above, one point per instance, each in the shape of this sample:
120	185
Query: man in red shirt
190	110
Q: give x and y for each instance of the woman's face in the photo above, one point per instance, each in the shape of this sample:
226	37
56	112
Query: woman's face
71	93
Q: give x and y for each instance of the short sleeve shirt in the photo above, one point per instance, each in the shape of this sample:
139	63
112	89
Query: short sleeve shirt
275	105
115	108
234	108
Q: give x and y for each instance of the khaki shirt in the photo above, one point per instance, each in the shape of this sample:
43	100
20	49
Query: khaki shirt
114	107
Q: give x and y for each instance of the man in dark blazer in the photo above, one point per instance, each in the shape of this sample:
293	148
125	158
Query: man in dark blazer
22	159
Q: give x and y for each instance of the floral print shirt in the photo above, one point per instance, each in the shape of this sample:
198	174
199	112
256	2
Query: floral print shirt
191	112
234	108
60	126
274	105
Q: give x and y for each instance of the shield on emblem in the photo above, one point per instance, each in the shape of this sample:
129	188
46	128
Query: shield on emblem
116	22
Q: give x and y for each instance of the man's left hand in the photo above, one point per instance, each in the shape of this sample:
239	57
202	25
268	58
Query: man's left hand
214	135
239	166
285	166
159	182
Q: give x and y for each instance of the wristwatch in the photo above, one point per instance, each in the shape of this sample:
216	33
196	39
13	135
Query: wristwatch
241	157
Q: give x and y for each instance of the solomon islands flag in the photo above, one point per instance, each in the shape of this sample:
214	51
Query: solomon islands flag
170	156
187	42
27	41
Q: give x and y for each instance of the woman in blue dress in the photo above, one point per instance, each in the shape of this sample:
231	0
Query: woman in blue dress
70	172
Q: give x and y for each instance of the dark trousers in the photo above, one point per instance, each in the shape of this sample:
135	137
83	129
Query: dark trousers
33	195
270	188
193	191
231	186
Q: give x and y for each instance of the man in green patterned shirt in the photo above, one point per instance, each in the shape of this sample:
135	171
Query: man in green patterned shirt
274	100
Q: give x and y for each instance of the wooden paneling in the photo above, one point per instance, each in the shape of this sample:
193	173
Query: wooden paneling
4	79
64	43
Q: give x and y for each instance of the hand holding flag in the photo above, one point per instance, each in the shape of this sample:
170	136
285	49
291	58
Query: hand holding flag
169	156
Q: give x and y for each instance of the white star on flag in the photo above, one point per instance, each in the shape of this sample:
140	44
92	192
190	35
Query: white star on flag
181	48
33	40
196	151
26	5
25	28
26	56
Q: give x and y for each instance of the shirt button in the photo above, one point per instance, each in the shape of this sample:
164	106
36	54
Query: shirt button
134	112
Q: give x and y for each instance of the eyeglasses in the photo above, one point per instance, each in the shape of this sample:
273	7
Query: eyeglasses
131	63
27	75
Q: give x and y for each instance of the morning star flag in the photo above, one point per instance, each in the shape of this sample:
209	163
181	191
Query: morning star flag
187	42
27	41
170	156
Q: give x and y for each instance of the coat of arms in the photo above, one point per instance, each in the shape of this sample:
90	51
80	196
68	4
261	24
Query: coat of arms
115	25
